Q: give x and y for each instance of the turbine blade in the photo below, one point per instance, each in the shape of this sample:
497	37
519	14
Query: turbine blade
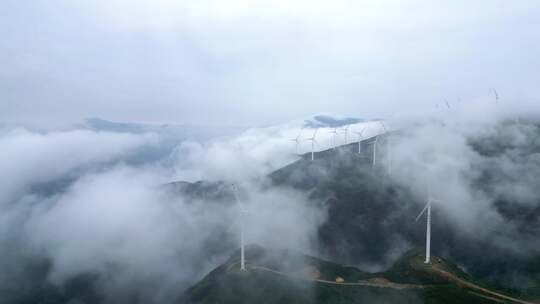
496	94
422	212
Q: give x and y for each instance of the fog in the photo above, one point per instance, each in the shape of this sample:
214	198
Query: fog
469	163
73	199
220	92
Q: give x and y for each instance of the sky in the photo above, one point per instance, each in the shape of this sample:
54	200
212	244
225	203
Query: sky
260	62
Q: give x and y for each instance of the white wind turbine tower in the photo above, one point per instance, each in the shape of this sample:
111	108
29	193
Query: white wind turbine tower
313	141
360	139
497	98
242	211
334	132
374	158
388	150
345	130
374	143
427	209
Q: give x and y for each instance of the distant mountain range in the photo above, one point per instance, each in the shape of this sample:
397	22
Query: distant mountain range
327	121
173	131
205	132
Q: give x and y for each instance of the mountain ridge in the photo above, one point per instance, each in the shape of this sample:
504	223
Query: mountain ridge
322	281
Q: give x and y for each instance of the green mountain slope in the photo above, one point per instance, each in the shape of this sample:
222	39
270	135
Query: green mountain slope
286	277
371	220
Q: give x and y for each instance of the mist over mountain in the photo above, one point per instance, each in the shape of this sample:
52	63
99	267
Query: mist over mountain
177	132
96	215
374	151
327	121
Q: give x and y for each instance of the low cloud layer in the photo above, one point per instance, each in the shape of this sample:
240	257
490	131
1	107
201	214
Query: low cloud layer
28	157
471	165
259	151
115	221
73	201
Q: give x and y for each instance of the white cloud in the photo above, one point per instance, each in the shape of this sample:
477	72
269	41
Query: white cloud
258	151
28	157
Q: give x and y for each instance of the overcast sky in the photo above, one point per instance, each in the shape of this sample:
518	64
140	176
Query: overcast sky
256	62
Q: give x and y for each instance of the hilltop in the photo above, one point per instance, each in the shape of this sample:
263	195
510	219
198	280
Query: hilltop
281	276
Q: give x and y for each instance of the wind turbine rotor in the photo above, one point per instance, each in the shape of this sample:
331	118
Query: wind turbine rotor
421	213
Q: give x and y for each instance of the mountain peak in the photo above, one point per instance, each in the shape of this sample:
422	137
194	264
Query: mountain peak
269	276
328	121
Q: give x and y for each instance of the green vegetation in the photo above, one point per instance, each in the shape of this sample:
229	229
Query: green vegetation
227	284
371	222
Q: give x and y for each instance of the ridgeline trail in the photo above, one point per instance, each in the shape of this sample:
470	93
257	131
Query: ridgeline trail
383	283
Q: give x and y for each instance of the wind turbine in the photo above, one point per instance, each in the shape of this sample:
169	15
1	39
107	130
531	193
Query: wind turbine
297	140
360	139
383	126
427	209
388	149
496	95
497	98
374	142
242	212
374	158
346	131
313	141
334	137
